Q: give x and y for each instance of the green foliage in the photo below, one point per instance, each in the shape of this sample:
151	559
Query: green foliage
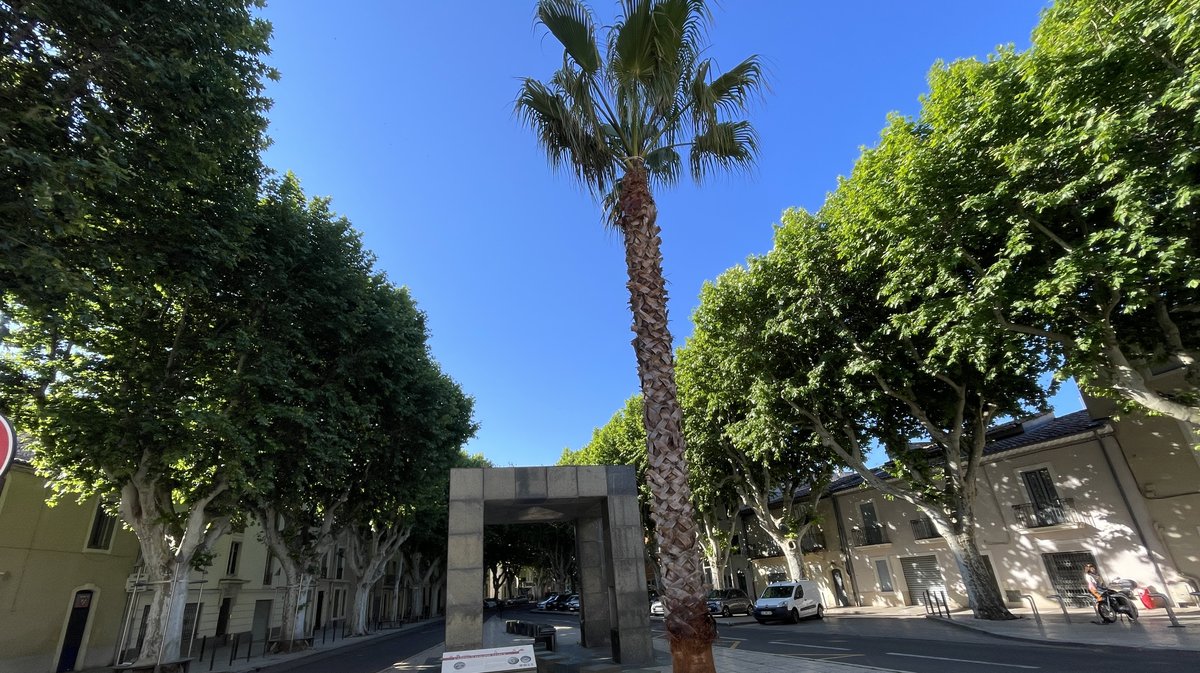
648	95
1056	192
126	126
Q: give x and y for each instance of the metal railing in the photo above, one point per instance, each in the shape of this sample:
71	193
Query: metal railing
1052	513
862	537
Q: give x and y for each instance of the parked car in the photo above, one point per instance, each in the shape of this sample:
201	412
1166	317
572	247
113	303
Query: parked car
789	601
573	603
545	603
491	603
657	609
520	599
726	602
560	602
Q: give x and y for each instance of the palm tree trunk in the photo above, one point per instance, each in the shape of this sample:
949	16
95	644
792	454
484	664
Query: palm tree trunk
690	629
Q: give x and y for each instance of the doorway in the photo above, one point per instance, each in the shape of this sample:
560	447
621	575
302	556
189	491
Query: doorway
77	623
261	625
839	589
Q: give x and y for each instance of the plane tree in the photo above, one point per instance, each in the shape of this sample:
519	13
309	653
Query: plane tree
757	449
1055	192
860	374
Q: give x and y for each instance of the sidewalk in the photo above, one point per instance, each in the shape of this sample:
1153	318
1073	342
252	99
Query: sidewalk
1152	631
317	652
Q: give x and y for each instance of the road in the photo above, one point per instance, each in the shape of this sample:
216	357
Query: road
374	656
900	645
924	646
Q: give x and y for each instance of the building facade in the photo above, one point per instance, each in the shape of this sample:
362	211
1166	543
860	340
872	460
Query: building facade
1055	493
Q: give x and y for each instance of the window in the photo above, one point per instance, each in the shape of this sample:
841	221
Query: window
884	571
1045	507
235	550
799	591
872	530
103	525
267	574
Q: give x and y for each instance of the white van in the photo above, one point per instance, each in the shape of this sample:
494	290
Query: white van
789	601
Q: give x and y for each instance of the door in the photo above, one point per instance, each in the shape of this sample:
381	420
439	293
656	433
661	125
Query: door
839	589
191	615
921	574
77	623
262	620
317	623
223	615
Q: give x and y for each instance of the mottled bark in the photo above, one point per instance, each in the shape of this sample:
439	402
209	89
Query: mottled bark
690	631
168	547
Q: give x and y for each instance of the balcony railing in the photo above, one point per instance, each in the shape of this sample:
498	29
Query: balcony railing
923	529
862	537
1052	513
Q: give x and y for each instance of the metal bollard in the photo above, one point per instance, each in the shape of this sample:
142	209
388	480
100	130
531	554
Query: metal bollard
1062	604
237	640
1036	616
1170	613
250	647
945	605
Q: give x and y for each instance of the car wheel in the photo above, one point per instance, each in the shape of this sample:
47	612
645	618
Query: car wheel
795	614
820	612
726	612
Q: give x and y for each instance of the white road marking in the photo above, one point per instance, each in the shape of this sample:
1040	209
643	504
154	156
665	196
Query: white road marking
965	661
819	647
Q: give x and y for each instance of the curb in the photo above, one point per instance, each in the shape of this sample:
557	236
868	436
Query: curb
1060	643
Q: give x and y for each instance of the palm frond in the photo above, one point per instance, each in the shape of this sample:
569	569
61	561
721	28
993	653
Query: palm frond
569	142
570	21
726	145
727	94
664	165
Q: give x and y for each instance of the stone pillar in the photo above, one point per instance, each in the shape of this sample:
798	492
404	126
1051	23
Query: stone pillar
464	561
594	618
628	563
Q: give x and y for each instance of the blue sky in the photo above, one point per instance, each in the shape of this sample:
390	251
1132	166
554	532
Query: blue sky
402	112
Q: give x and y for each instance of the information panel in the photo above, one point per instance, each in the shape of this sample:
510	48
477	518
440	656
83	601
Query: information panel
511	658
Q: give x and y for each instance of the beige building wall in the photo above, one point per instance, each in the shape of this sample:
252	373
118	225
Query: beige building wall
1131	495
44	562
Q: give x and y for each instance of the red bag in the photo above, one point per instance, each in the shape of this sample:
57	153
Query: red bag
1150	601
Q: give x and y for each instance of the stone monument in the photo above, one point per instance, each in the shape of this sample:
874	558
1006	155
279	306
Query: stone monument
610	548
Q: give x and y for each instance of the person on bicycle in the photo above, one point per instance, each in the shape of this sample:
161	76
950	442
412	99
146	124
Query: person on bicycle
1094	584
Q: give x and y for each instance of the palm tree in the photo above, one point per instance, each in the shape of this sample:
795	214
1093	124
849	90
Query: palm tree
619	123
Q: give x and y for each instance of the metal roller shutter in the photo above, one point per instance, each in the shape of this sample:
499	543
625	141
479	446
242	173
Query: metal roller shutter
921	574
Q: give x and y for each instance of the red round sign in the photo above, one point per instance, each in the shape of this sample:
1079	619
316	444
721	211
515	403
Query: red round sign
8	445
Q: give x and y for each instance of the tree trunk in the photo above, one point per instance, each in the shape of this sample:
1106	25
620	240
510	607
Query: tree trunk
690	631
295	606
167	551
983	595
358	611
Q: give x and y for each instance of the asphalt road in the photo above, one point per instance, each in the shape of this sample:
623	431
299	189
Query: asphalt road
373	656
923	646
900	645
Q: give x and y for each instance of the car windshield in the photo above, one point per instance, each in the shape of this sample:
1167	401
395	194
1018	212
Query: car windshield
717	593
777	592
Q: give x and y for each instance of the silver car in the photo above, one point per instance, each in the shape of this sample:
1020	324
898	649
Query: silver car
726	602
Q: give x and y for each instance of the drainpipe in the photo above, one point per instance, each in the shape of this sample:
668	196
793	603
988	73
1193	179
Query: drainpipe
845	550
1137	526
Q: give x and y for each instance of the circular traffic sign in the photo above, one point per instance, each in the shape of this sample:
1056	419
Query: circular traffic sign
8	445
